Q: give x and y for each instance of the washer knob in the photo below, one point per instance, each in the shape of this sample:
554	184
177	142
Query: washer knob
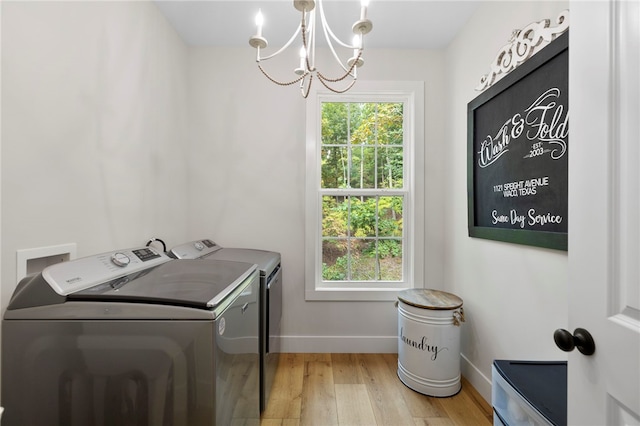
120	259
199	246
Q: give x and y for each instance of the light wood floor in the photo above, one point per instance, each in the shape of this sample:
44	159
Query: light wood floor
361	389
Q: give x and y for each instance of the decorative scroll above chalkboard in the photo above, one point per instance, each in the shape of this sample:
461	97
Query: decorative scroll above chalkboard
522	45
517	158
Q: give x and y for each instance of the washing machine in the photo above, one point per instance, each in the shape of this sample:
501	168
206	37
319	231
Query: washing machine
270	268
133	337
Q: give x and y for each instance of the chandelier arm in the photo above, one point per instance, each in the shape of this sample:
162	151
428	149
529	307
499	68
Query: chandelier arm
309	49
306	49
279	83
327	31
333	51
311	53
287	44
327	28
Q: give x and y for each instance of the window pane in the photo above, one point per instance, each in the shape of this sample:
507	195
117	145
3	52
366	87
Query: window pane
334	123
390	216
390	167
390	124
365	132
335	216
335	167
334	260
363	167
362	238
356	118
363	216
390	259
363	260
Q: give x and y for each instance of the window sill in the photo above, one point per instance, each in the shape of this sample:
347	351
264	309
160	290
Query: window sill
354	294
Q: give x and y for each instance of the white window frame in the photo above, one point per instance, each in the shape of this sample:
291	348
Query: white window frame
411	94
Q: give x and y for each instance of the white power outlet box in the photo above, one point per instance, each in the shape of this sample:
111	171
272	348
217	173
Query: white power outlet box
32	261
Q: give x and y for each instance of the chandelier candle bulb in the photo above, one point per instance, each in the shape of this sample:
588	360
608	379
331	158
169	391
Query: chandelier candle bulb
259	23
257	41
357	43
303	57
357	47
363	9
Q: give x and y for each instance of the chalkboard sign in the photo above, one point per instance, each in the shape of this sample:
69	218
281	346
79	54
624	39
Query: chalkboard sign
518	136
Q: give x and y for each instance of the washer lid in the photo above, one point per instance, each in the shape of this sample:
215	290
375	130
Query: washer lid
190	283
266	260
430	299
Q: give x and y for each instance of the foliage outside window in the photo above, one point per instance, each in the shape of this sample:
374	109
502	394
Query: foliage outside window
362	149
365	192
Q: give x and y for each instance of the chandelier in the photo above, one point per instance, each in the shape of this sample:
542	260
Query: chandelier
307	70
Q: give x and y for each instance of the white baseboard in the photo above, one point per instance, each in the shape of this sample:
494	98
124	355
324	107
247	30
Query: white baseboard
339	344
476	378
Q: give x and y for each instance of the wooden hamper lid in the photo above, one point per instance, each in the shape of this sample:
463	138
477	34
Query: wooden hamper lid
430	299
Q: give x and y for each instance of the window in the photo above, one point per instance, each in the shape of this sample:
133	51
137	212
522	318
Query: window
364	217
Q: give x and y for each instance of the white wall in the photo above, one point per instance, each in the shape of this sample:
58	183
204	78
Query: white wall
111	128
249	135
515	296
94	127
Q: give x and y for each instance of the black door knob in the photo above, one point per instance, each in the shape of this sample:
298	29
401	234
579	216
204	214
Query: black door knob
580	339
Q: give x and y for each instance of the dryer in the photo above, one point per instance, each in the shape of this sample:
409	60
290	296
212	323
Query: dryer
270	268
133	337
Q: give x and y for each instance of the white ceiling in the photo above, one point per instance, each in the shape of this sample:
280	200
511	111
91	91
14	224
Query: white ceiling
399	24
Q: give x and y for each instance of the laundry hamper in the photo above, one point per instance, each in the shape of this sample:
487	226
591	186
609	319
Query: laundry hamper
429	341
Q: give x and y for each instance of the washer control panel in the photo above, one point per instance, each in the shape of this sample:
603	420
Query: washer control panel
195	249
69	277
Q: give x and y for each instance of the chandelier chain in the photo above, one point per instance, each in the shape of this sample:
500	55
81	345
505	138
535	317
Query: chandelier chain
279	83
336	90
347	74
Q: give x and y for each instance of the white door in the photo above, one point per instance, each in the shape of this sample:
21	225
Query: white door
604	211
